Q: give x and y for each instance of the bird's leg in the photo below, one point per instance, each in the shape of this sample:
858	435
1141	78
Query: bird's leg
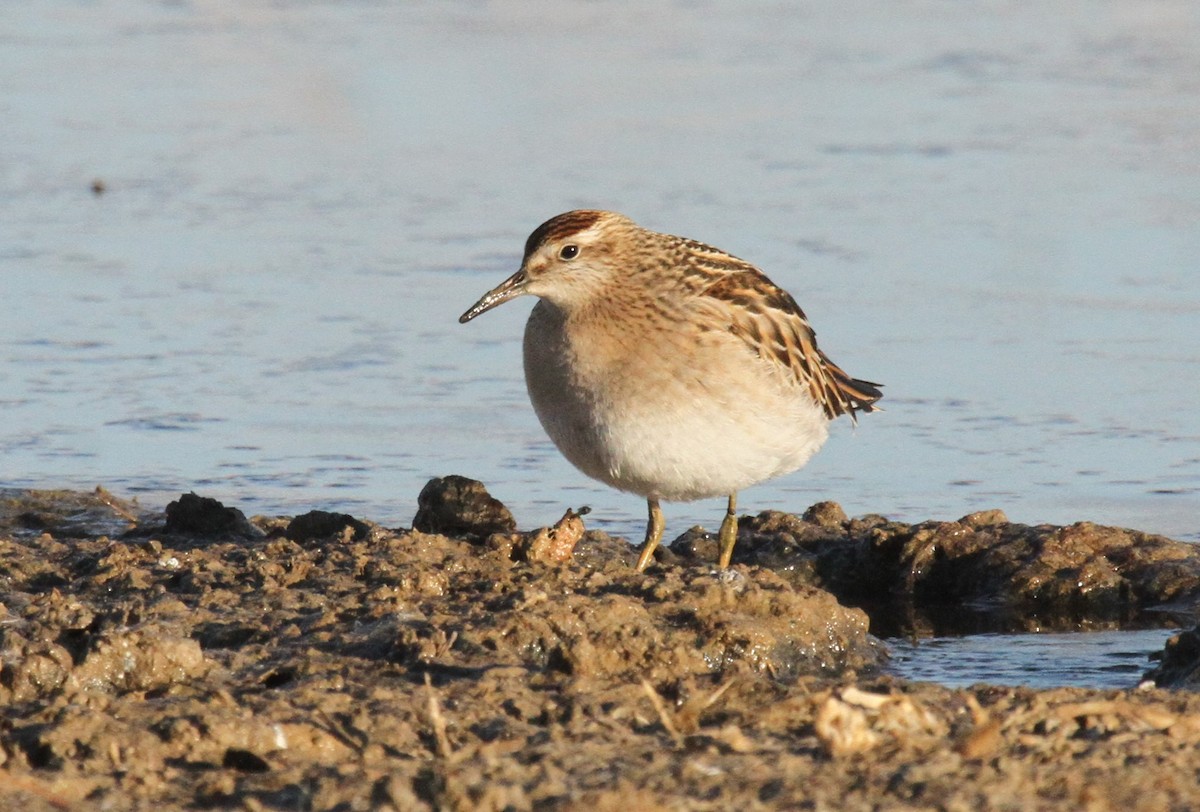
654	532
728	535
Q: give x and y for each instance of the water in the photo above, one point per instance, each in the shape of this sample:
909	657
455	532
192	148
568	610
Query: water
993	210
1083	660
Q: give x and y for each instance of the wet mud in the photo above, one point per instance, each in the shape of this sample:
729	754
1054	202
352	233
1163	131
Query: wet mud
197	658
979	573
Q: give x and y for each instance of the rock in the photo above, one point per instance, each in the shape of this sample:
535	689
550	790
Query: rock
320	524
200	515
1178	662
458	506
552	545
826	514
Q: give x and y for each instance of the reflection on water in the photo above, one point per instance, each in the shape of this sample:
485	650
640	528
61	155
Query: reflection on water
1085	659
993	212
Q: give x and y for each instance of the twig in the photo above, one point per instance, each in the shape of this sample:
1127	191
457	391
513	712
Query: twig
438	721
717	694
341	732
664	715
114	504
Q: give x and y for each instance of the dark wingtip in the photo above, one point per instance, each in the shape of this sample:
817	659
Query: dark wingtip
865	392
859	396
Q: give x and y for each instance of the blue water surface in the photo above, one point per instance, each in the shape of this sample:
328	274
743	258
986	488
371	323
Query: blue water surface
994	210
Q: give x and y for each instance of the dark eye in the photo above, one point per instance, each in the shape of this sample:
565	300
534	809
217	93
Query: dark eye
568	252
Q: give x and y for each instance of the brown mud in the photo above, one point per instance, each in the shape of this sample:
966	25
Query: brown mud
195	658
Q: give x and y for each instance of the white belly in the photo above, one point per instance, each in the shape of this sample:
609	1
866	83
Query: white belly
634	417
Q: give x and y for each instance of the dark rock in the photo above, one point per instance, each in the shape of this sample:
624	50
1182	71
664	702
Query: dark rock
321	524
1178	662
695	546
458	506
203	516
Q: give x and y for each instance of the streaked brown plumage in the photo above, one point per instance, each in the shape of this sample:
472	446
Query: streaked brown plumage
668	368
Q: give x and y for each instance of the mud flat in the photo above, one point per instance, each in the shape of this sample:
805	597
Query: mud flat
196	658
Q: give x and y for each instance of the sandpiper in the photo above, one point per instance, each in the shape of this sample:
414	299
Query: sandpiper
668	368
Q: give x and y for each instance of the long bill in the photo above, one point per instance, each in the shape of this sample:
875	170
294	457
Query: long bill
510	288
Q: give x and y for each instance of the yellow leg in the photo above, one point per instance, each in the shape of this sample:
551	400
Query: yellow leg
654	533
728	535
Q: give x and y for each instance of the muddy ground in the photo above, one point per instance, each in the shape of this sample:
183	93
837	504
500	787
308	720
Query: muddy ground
193	658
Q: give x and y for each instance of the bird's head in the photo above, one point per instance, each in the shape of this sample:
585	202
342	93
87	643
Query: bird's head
569	261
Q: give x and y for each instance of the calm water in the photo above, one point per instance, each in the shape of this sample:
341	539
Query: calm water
1086	660
993	210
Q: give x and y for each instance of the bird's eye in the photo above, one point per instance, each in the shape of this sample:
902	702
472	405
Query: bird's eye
568	252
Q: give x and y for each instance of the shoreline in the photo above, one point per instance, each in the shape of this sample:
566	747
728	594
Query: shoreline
196	657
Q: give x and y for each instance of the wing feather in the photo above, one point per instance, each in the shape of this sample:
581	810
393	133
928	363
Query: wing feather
768	319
